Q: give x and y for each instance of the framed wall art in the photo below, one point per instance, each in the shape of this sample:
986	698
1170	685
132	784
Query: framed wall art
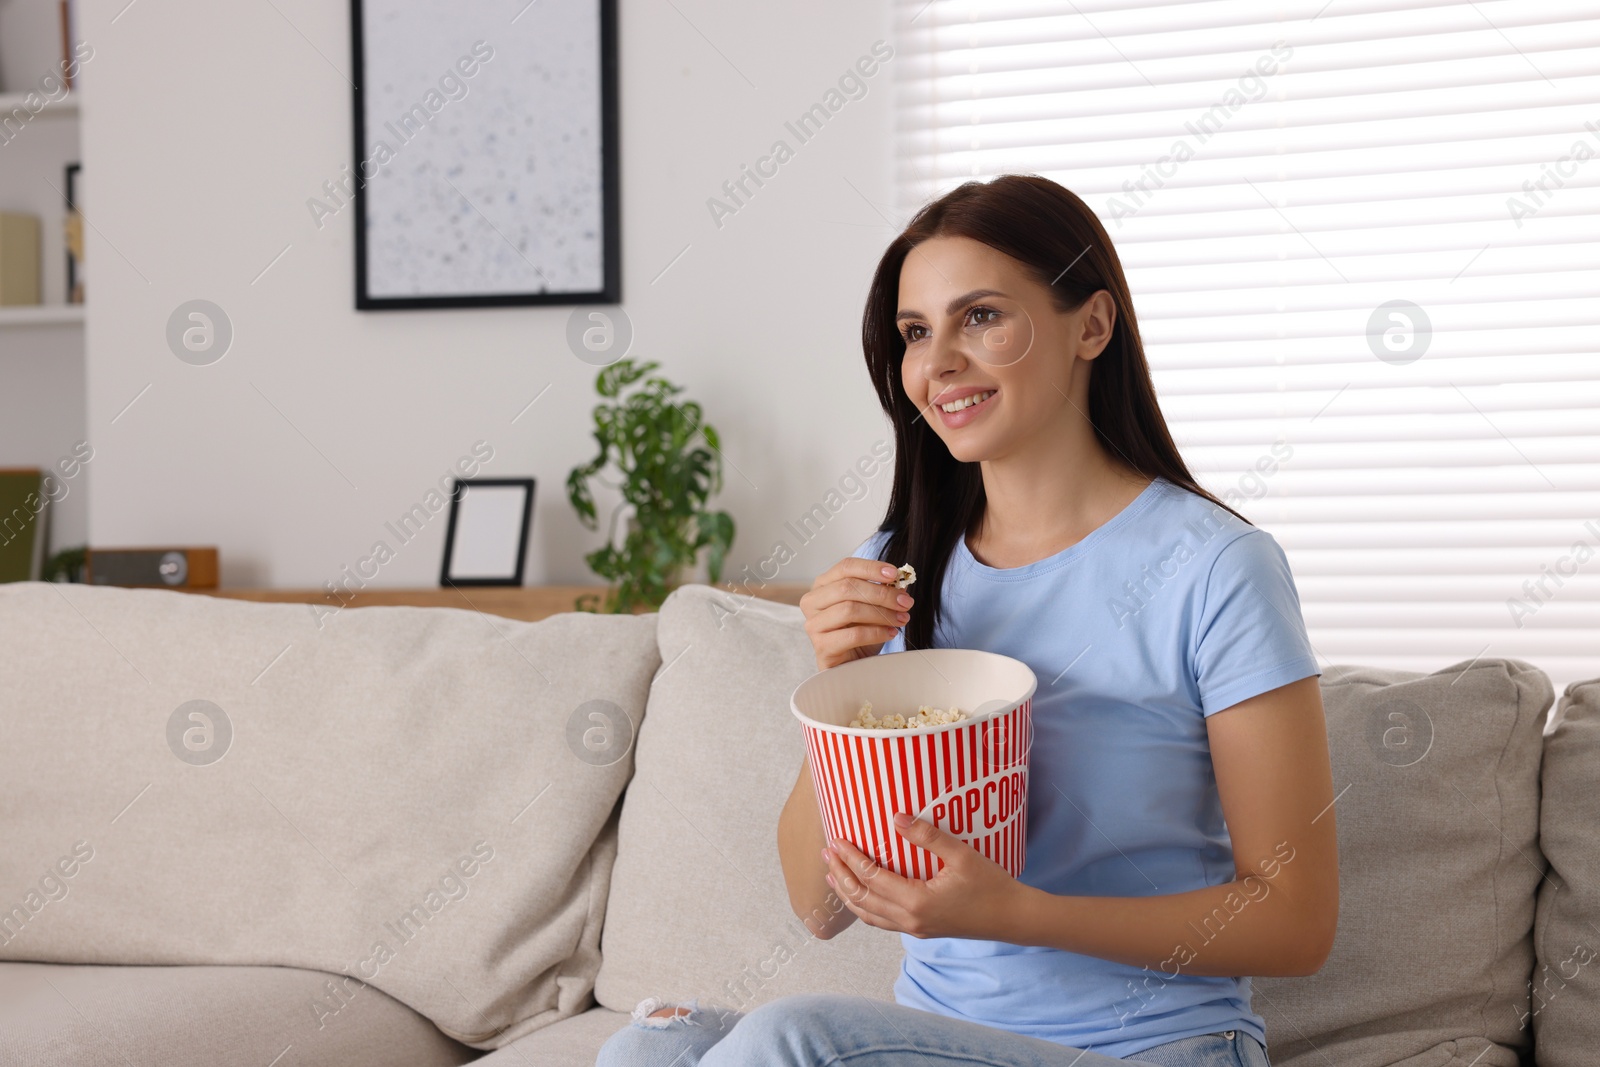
485	169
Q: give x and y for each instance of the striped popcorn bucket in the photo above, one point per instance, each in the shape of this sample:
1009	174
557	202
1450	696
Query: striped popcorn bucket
969	778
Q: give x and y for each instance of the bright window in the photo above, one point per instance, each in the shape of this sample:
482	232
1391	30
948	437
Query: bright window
1365	232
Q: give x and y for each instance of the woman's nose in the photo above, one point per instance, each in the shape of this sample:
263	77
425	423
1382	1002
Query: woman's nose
943	355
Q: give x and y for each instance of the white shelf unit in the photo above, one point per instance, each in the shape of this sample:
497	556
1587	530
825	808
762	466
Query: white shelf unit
33	181
66	107
42	315
42	367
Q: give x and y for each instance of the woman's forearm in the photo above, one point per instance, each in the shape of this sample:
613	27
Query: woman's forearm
1255	925
800	841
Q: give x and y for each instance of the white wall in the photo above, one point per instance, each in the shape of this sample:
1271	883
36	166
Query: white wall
208	126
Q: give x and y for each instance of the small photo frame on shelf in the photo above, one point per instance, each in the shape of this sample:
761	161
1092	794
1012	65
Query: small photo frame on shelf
487	538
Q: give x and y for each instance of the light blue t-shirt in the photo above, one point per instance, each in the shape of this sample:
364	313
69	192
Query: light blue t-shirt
1172	611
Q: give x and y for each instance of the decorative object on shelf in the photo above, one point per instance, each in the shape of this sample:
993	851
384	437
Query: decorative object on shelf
73	47
487	538
486	166
68	565
74	235
19	259
170	568
671	466
23	525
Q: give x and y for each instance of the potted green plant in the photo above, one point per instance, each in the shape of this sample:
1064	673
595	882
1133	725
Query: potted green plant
66	565
659	448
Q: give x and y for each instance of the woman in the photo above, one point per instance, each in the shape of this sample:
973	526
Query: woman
1180	822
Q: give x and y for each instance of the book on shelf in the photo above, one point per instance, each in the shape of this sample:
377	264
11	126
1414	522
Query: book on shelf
73	226
23	506
19	259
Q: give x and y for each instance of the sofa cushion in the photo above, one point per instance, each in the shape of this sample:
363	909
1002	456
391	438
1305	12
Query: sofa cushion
571	1042
1437	785
1564	1008
699	907
53	1015
406	795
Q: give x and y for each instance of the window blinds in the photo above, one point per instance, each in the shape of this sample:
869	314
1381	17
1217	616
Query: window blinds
1364	246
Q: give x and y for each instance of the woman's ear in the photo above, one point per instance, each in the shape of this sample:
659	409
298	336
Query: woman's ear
1097	318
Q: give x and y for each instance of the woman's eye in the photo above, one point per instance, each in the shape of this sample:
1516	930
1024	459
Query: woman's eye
910	332
978	312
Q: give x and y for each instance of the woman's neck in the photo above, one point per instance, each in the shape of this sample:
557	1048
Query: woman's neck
1046	498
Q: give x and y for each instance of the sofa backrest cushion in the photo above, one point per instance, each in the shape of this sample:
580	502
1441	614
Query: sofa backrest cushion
698	906
1565	998
1437	784
407	796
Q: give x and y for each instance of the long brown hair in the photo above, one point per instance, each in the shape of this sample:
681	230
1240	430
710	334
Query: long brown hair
937	498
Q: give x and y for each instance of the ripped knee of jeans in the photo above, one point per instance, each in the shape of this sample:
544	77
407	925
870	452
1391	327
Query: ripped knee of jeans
679	1014
655	1013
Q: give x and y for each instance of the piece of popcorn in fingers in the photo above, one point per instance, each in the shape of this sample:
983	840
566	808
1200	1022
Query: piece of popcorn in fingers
908	574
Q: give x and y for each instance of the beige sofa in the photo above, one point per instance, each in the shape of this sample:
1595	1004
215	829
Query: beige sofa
236	834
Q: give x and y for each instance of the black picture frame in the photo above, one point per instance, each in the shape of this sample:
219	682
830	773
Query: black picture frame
610	291
457	492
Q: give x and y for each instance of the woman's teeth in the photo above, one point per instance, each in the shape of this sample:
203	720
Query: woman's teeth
967	401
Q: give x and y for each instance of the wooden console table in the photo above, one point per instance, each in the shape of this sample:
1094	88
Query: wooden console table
529	603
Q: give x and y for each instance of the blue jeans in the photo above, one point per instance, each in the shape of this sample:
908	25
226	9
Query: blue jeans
825	1029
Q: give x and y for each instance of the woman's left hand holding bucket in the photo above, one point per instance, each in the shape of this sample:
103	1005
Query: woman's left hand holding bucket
971	897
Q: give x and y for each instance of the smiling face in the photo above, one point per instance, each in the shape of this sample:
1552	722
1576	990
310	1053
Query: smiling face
989	360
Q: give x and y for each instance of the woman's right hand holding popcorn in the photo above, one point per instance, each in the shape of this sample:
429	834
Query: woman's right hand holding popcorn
854	609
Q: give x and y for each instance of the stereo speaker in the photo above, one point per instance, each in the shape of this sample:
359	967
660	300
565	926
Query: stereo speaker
171	568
